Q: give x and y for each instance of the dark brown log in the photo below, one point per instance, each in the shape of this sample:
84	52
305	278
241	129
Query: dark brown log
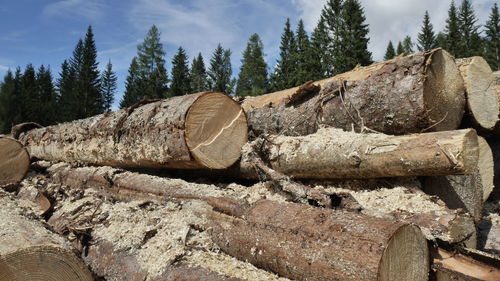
14	161
326	244
28	251
420	92
332	153
481	96
449	266
204	130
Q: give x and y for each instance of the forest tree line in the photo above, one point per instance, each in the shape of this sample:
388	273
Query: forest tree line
338	43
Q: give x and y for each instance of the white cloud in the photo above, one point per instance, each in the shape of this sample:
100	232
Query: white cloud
89	9
393	20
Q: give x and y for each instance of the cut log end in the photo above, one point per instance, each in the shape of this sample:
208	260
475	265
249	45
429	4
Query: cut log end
216	129
406	256
486	168
14	161
482	100
444	91
45	262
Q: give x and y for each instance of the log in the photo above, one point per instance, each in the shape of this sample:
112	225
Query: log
28	251
334	154
466	191
448	266
326	244
14	161
482	100
204	130
495	148
420	92
496	74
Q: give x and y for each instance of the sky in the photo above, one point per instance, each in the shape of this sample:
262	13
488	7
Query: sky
46	32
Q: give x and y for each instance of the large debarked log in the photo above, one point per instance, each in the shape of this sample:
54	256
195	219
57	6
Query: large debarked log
420	92
335	154
28	251
14	161
204	130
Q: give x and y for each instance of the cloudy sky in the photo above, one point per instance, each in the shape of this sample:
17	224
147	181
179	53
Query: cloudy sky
45	32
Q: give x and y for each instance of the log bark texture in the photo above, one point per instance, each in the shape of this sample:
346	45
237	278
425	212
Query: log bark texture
14	161
482	101
204	130
420	92
29	251
335	154
326	244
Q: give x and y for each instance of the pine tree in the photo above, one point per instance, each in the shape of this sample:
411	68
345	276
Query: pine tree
88	79
452	31
252	79
28	95
399	49
492	39
108	86
66	96
470	41
181	82
389	52
441	39
220	71
199	79
353	38
426	38
304	56
333	19
408	45
282	77
45	97
8	100
133	92
150	58
319	45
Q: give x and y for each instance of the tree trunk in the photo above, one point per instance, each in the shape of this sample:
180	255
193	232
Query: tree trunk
14	161
332	153
466	191
449	266
482	100
28	251
204	130
420	92
306	243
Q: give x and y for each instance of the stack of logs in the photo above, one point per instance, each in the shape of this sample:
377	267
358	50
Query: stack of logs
380	173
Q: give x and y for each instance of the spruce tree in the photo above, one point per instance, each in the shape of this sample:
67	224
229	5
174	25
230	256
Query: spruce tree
88	79
470	41
220	71
181	82
353	38
319	46
199	79
150	58
333	19
399	49
66	96
304	56
408	45
389	52
492	39
108	87
441	40
46	97
452	31
28	95
426	38
282	77
8	100
252	79
133	92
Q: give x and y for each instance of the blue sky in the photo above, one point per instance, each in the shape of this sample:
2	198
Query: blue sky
45	32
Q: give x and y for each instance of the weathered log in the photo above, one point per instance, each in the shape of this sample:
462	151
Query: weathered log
28	251
496	74
204	130
332	153
420	92
449	266
482	100
326	244
14	161
466	191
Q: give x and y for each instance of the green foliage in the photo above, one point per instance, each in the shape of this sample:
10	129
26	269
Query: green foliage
9	97
88	79
451	32
28	90
470	41
492	39
220	71
319	48
305	58
199	78
108	87
181	82
67	101
133	92
390	52
426	38
408	45
283	77
252	79
332	15
400	50
45	107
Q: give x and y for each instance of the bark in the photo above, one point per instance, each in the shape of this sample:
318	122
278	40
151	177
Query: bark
448	266
332	153
420	92
14	161
204	130
482	101
326	244
466	191
28	251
